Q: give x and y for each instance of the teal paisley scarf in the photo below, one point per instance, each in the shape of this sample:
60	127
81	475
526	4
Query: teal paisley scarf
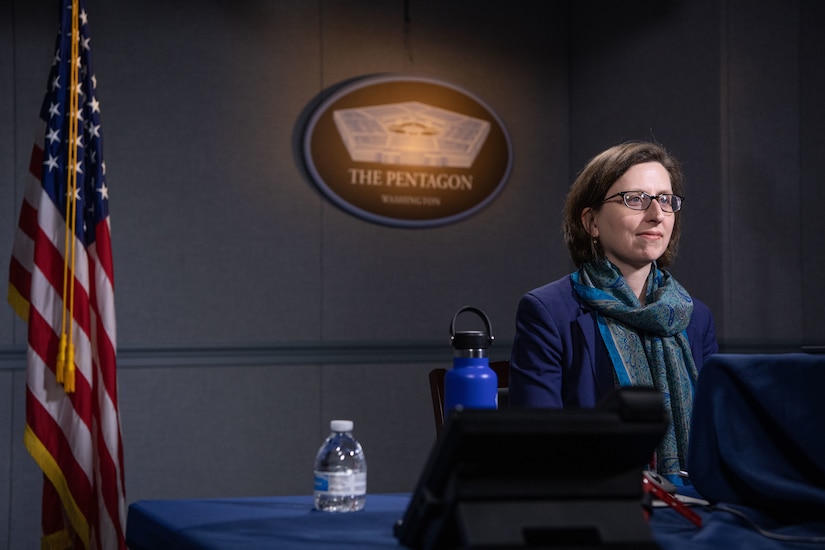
647	344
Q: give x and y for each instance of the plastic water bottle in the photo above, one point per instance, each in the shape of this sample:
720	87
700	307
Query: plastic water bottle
340	471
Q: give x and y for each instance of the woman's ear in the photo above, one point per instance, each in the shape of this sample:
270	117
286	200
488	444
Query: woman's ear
589	222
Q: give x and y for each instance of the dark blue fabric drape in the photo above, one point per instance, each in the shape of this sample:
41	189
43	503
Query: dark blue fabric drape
757	447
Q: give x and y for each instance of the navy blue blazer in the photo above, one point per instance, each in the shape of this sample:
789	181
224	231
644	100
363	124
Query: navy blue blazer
559	358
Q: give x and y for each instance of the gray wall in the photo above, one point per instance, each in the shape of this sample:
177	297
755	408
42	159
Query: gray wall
251	311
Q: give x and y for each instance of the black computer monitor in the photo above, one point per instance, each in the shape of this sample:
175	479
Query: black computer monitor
531	477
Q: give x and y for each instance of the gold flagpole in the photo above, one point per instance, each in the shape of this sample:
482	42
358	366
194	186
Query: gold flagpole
65	359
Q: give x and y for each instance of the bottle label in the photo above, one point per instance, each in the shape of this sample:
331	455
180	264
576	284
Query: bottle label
340	483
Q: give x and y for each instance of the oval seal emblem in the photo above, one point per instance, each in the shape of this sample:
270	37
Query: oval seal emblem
407	151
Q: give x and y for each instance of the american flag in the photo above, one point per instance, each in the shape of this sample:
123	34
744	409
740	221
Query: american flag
61	283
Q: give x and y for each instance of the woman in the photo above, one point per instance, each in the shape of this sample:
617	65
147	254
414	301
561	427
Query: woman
619	319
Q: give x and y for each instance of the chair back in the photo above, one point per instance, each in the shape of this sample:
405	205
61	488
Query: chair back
502	370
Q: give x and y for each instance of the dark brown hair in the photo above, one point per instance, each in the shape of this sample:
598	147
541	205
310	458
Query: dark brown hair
592	184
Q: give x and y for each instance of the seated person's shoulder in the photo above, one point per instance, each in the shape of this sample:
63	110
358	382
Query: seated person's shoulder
557	299
556	290
701	310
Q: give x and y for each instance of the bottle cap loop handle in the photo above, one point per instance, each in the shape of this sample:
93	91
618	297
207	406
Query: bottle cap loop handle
472	339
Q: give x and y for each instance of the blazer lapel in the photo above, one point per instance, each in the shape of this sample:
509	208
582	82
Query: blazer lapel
596	360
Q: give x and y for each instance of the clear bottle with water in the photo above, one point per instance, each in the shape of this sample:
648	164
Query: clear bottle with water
340	471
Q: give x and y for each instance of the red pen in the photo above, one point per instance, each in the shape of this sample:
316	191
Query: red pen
670	500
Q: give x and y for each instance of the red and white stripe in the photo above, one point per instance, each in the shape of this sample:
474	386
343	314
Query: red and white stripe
74	437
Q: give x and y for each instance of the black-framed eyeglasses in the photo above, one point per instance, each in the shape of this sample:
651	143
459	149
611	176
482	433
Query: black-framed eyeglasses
639	200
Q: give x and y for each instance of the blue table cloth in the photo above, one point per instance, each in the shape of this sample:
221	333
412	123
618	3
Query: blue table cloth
291	523
724	528
260	523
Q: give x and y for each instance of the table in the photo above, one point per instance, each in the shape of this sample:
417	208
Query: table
261	523
756	449
289	522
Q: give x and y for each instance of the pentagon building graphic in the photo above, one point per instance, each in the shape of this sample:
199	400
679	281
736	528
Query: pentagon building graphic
411	133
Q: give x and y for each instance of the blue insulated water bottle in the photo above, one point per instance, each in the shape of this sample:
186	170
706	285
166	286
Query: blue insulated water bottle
471	383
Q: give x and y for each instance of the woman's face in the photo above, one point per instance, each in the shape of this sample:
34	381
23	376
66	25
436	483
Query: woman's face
631	239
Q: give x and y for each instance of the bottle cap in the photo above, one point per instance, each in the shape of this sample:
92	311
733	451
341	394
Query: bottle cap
471	339
341	425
